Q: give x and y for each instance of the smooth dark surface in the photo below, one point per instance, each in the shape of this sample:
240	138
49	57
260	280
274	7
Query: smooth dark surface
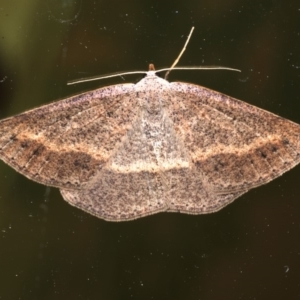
50	250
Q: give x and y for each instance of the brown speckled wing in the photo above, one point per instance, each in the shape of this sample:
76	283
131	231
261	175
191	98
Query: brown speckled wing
128	151
233	147
133	183
64	143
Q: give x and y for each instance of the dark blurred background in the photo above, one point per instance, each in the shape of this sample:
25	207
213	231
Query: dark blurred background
50	250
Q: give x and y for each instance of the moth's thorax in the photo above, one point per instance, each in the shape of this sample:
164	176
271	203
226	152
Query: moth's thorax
152	92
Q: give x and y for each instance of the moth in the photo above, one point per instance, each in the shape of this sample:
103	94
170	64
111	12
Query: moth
130	150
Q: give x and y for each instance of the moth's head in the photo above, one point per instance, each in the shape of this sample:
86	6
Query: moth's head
152	82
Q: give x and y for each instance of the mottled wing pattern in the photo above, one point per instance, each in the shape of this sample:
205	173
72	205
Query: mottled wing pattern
127	151
129	186
133	183
233	146
63	144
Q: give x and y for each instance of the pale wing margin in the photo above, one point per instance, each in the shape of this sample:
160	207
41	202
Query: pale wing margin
235	146
62	144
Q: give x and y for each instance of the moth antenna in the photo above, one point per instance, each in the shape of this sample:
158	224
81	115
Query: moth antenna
180	54
152	68
199	68
104	77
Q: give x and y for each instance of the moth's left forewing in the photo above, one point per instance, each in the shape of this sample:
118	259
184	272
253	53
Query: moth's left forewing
64	143
235	145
